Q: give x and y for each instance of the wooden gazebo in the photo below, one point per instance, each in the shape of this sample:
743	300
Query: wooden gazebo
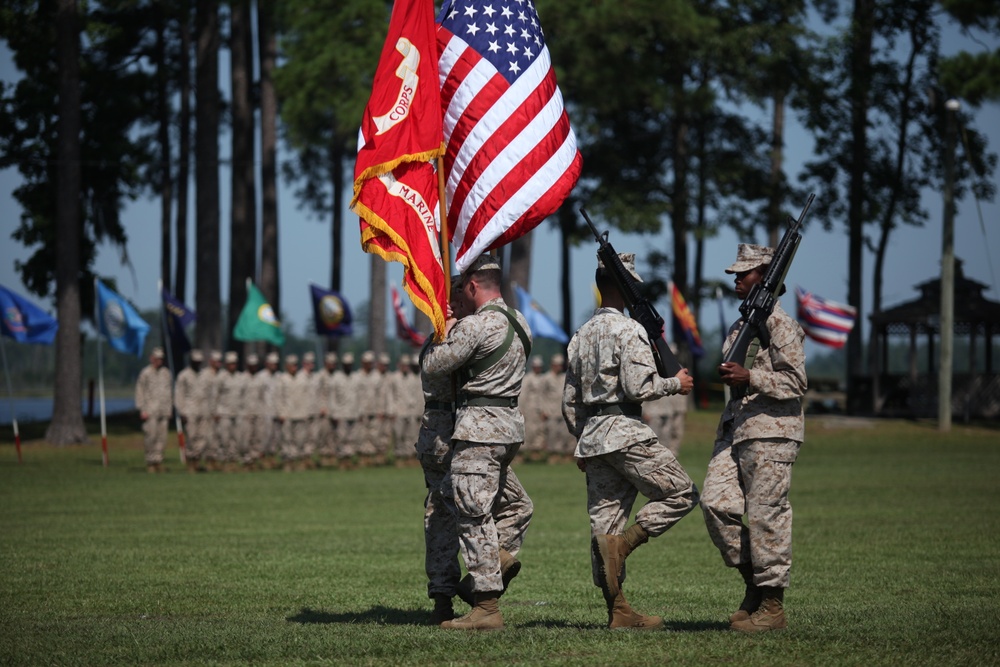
975	392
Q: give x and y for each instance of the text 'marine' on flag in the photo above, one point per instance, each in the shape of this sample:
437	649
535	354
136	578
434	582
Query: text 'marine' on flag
331	312
511	156
257	320
404	330
825	321
395	187
684	322
178	316
24	321
120	322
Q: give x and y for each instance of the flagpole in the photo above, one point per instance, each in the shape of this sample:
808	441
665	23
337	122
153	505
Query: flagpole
169	347
10	393
445	256
100	376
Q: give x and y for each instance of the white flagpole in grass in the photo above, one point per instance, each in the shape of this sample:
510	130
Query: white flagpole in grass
169	348
10	394
100	375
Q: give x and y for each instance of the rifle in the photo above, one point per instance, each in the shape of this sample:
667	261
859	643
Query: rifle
639	307
759	303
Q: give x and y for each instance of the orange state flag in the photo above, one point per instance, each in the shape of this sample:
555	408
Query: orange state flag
395	188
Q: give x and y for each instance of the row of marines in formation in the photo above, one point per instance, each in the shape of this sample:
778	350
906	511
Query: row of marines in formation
335	416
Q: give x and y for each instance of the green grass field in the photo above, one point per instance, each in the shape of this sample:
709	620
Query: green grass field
897	562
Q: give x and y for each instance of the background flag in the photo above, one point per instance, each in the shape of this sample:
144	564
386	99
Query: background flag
257	320
331	313
178	316
120	322
684	323
511	156
24	321
825	321
403	329
395	188
541	325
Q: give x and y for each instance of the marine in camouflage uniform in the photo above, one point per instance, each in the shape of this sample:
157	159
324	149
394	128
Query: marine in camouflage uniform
342	411
230	428
758	439
268	440
208	396
492	508
155	403
559	443
409	408
308	371
387	400
530	402
293	397
364	384
611	372
185	401
326	446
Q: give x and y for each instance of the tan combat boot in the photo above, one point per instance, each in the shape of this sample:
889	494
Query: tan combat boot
509	567
443	610
769	616
484	615
751	598
622	616
610	552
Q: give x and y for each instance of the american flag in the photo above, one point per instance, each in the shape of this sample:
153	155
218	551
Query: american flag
825	321
511	156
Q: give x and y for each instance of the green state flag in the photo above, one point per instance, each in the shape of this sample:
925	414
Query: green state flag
257	321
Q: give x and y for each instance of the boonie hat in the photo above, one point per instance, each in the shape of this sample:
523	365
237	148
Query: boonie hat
158	353
232	357
750	256
628	259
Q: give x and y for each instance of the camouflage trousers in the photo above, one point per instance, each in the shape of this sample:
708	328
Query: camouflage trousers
325	444
406	429
344	432
614	480
260	441
200	432
295	434
231	436
669	430
492	508
440	529
753	478
154	430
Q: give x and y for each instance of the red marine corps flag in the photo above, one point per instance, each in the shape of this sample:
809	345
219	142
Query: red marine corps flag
395	187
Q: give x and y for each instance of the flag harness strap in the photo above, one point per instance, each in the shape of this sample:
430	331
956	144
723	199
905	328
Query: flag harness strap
477	367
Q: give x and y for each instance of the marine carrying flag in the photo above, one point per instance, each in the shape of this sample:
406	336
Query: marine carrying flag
684	323
541	325
825	321
24	321
395	187
404	331
178	316
511	155
120	322
331	313
257	320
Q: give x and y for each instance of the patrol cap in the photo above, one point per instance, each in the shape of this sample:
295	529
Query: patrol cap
215	355
383	358
558	359
628	259
330	358
309	358
367	357
536	361
292	359
158	353
750	256
273	358
253	359
232	357
404	360
348	358
483	263
196	355
456	282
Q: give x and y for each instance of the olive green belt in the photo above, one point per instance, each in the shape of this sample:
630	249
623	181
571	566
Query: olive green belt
626	409
468	400
439	405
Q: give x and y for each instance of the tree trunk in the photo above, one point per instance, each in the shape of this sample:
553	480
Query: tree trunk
207	176
183	156
267	45
861	50
566	226
163	137
679	198
243	220
519	268
67	426
775	193
376	315
337	226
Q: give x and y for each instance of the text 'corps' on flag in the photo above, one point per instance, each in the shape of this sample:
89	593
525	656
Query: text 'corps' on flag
511	156
395	187
825	321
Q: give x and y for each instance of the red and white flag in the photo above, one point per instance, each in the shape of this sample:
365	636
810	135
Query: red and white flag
404	330
825	321
395	187
511	156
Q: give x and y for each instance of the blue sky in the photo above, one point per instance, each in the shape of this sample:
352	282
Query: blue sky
820	266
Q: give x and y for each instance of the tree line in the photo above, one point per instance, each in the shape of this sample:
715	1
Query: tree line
121	99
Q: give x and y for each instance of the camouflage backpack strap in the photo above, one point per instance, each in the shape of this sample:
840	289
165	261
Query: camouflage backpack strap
490	360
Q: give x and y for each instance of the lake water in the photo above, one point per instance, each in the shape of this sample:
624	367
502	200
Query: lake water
40	409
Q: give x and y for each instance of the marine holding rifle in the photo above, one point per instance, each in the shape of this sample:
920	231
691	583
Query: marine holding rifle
758	440
611	370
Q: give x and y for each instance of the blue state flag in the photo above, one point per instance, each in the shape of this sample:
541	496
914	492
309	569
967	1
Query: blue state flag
119	321
541	325
24	321
331	312
177	316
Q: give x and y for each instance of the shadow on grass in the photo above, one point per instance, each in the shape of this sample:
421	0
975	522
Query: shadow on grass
696	626
377	615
